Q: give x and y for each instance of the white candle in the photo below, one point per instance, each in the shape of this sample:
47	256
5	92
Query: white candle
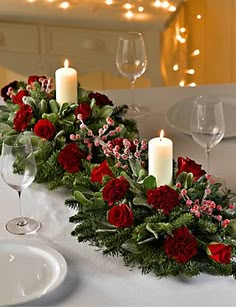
66	84
160	159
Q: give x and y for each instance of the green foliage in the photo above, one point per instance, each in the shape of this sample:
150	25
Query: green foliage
132	226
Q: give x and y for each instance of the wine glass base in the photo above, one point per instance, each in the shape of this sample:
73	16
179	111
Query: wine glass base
30	226
137	111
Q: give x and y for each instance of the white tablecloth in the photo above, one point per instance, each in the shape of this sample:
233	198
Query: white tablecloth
96	280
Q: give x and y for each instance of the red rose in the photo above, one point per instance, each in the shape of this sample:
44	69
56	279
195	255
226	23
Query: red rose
189	166
36	78
101	99
219	252
115	189
120	216
99	171
70	158
164	198
84	109
181	245
4	90
22	118
17	99
44	129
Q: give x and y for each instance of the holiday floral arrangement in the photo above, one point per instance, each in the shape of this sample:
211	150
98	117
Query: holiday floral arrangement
90	148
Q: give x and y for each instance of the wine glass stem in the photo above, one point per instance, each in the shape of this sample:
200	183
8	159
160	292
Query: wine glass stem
22	221
133	106
208	161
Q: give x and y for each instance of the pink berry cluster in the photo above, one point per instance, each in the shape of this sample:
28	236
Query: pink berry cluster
112	145
205	206
46	84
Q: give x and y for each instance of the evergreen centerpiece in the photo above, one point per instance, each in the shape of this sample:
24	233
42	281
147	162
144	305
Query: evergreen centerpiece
90	148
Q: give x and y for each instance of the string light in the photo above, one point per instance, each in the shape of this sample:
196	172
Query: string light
165	4
141	9
196	52
182	30
199	16
65	5
172	8
182	83
190	71
135	8
129	14
192	84
176	67
157	3
127	6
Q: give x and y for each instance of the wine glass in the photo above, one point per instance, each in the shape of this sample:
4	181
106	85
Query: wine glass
131	61
207	123
18	170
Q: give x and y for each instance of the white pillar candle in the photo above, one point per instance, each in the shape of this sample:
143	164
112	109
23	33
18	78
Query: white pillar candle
160	159
66	84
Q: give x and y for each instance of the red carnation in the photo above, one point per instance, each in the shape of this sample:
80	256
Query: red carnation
164	198
120	216
189	166
101	99
22	118
44	129
84	109
70	158
36	78
17	99
115	190
181	245
99	171
219	252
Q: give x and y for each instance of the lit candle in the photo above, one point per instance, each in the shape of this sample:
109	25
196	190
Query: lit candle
66	84
160	159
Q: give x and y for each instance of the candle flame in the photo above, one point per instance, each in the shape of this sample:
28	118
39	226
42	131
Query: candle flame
66	63
161	134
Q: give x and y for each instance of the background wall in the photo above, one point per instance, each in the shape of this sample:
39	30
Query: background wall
38	48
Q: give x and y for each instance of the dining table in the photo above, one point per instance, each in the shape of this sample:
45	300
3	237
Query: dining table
93	279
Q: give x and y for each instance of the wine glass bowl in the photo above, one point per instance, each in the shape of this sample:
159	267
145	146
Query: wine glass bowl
207	123
131	61
18	170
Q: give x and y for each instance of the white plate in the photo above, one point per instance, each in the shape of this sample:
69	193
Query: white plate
179	115
29	270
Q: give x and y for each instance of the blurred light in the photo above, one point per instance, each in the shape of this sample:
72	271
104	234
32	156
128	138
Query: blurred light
141	9
176	67
199	16
127	6
196	52
182	83
182	30
109	2
157	3
165	4
65	5
180	39
172	8
192	84
190	71
129	14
